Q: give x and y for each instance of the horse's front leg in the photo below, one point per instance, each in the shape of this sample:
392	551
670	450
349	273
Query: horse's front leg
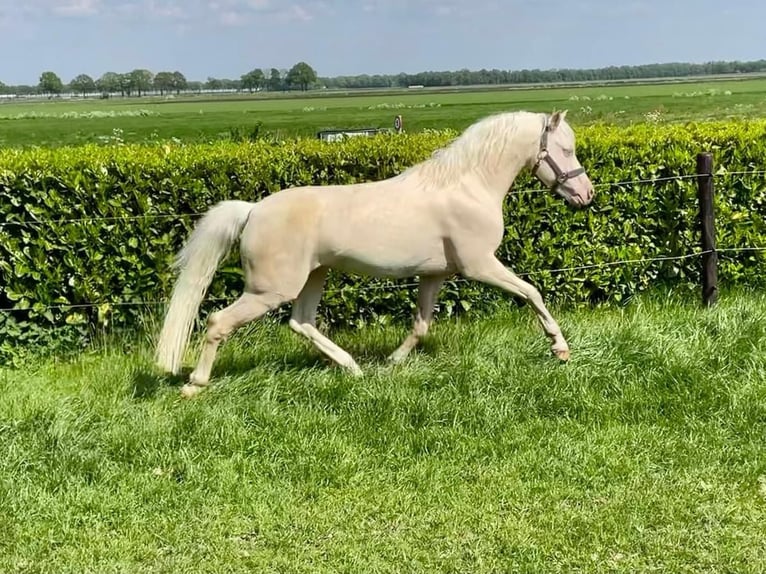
491	271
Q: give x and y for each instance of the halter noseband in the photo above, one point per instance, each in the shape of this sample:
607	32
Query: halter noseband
544	156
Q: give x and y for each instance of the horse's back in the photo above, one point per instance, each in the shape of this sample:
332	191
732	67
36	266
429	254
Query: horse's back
381	228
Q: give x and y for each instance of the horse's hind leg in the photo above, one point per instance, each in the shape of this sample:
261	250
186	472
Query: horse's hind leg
220	325
427	291
303	321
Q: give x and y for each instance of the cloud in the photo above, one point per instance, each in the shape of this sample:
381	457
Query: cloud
242	12
453	7
76	7
190	13
232	18
444	8
127	9
171	10
296	13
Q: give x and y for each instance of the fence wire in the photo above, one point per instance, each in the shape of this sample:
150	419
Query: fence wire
411	285
366	289
664	179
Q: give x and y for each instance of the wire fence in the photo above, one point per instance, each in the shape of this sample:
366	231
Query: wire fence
392	285
410	285
114	219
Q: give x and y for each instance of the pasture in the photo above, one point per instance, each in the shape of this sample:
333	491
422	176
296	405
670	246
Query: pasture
200	119
480	454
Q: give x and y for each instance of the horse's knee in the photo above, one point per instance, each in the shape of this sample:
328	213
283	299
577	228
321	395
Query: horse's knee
296	326
219	327
420	329
214	333
213	319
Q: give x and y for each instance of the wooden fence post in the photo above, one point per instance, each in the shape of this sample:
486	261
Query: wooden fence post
707	221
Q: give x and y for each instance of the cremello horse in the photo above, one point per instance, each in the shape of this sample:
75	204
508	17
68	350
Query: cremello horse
440	217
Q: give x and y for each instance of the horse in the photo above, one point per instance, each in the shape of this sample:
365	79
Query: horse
440	217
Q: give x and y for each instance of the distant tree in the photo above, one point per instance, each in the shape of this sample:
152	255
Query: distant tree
22	90
126	84
109	83
222	84
164	82
194	86
275	80
170	81
50	83
3	88
141	81
253	80
213	84
179	82
229	84
83	84
301	75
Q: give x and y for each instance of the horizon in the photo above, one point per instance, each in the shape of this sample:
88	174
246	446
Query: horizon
447	71
225	39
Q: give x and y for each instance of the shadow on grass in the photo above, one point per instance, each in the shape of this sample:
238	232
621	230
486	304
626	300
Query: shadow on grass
242	363
147	381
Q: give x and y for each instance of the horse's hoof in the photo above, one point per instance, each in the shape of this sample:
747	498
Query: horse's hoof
188	391
562	355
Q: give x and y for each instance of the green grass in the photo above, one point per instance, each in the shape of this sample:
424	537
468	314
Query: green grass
204	119
645	453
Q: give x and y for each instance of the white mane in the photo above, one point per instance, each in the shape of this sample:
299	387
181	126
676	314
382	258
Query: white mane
483	146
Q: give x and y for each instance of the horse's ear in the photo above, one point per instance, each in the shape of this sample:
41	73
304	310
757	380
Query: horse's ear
556	118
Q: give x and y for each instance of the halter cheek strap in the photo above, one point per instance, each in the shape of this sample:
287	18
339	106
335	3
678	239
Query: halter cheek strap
543	156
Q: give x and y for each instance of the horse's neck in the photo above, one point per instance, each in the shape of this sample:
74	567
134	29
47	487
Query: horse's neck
499	174
490	169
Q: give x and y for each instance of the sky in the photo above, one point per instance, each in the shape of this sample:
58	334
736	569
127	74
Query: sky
227	38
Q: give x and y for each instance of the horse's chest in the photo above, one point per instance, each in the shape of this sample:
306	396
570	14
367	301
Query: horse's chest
478	227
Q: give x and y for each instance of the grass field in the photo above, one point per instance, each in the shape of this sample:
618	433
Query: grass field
646	453
211	118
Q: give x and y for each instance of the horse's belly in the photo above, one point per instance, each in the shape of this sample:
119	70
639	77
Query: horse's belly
383	233
389	257
364	264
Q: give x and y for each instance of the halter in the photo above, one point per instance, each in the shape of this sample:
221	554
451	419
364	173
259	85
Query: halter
543	155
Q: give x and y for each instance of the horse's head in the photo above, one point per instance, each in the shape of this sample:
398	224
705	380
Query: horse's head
557	165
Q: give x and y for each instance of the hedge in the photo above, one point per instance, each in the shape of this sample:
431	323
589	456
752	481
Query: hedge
147	196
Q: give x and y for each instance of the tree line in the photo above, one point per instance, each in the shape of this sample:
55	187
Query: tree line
139	82
303	77
535	76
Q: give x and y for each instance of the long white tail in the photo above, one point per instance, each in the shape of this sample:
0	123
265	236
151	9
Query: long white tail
212	238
